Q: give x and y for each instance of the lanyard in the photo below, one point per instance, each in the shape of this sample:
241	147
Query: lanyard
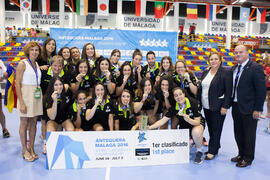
34	70
115	67
181	109
237	75
49	59
180	80
91	61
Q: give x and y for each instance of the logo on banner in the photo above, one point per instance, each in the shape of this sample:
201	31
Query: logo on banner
69	147
141	137
154	43
142	152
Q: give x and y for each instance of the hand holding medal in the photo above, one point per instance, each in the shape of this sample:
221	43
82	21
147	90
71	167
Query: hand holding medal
54	95
125	79
98	100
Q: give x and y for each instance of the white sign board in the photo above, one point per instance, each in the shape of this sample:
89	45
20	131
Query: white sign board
147	23
72	150
220	27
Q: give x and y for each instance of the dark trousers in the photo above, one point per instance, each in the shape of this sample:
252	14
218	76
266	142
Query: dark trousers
214	122
244	133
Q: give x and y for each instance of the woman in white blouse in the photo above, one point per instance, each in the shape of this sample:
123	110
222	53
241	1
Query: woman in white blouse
215	94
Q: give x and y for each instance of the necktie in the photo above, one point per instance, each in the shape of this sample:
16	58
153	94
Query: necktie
236	80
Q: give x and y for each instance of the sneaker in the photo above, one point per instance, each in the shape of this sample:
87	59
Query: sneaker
198	158
267	130
6	133
204	142
44	149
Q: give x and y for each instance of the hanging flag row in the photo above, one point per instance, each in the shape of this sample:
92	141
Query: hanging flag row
140	9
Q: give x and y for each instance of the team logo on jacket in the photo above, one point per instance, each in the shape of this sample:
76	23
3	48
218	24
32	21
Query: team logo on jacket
108	109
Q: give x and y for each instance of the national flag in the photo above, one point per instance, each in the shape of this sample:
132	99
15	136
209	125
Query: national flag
244	14
261	15
211	12
82	7
159	9
45	6
192	11
10	100
140	7
103	8
26	6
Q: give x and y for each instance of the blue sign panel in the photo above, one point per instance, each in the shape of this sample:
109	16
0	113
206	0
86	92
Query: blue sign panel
105	40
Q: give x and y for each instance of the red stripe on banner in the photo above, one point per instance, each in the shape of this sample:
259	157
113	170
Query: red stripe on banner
192	16
138	7
263	16
47	6
207	11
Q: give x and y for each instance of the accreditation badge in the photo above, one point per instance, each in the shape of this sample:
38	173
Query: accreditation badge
37	93
144	121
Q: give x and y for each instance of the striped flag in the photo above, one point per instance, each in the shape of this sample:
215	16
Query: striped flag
261	15
82	7
10	100
45	6
192	11
211	12
140	7
26	6
103	8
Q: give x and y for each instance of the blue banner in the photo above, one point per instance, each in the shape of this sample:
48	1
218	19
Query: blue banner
25	40
105	40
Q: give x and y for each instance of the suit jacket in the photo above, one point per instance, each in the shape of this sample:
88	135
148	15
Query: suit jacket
220	90
251	90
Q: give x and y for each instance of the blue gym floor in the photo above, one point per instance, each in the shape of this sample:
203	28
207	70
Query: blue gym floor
13	167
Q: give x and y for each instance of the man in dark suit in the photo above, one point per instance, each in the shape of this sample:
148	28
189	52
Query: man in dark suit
248	97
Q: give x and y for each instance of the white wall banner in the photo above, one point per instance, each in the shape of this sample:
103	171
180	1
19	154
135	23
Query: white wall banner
51	20
72	150
146	22
219	27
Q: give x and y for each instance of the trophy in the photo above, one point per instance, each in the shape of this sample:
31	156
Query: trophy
143	125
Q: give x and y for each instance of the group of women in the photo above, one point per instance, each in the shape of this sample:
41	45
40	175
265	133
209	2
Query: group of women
86	91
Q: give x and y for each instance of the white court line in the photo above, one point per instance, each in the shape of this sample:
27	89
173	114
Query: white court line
108	172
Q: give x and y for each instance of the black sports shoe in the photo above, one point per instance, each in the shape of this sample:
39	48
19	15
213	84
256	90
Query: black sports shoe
198	158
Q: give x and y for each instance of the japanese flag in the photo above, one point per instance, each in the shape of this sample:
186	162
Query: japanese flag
103	8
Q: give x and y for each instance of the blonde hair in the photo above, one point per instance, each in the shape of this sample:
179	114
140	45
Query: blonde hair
58	59
30	45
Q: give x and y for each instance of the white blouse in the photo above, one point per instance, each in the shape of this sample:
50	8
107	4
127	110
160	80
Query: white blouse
205	89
